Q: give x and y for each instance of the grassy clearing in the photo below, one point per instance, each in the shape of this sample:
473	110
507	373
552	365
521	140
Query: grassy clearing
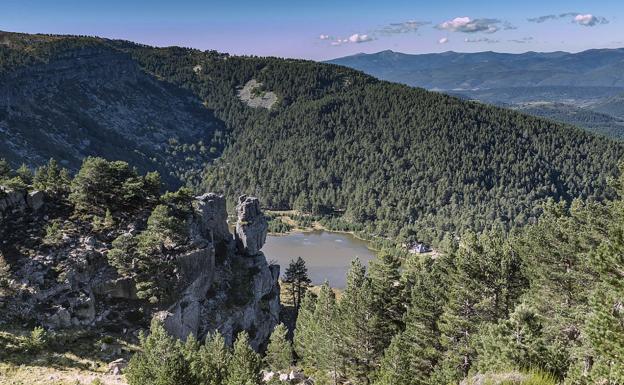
64	358
512	377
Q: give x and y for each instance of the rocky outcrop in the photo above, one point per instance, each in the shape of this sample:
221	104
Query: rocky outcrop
217	285
240	294
251	227
16	201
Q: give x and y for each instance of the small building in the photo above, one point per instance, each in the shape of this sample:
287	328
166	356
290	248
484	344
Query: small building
419	248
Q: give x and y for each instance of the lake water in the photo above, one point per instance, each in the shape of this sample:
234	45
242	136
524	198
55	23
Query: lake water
327	255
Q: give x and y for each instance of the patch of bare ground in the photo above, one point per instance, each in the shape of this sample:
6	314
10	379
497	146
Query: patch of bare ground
253	95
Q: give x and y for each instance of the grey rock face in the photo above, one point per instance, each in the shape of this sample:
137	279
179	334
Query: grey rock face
197	270
12	201
260	313
207	304
251	227
212	211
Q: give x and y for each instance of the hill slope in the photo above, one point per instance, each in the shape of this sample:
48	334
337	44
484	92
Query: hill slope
69	98
390	156
584	80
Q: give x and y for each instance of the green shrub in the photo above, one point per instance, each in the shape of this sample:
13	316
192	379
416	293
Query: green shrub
54	234
36	341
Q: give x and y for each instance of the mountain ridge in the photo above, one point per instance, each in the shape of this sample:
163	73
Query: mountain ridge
391	157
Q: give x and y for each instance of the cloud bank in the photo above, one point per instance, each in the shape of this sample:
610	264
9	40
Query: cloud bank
467	25
356	38
403	27
584	19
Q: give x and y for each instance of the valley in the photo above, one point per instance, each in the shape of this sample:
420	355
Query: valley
155	201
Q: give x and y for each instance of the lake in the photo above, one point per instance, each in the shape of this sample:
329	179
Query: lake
327	255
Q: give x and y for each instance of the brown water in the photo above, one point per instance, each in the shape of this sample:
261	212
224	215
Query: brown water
327	255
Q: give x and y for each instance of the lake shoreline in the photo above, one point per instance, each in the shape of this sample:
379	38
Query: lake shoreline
316	226
328	255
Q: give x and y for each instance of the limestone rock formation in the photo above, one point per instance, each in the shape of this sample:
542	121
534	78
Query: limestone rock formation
251	227
212	213
217	285
251	299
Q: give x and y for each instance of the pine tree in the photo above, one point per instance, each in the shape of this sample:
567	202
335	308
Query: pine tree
212	362
25	174
5	169
51	178
356	333
485	285
306	332
388	298
245	365
279	352
297	280
109	221
518	342
414	353
161	360
316	336
606	323
326	359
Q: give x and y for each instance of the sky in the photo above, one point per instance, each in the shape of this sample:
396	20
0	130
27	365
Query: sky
326	29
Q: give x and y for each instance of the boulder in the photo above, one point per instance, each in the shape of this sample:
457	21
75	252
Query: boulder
10	199
17	200
251	227
61	319
121	288
117	367
35	200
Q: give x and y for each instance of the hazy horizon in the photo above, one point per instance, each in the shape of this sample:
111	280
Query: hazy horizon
324	30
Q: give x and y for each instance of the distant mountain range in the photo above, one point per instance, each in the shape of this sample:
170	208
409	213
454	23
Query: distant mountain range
592	81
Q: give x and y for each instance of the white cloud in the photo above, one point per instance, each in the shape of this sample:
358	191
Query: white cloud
443	40
356	38
589	20
468	25
323	37
359	38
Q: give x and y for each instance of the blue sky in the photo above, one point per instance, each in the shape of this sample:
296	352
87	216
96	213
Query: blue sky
324	29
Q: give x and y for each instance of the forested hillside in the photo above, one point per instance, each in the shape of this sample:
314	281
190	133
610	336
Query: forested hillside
540	306
576	84
71	98
392	157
